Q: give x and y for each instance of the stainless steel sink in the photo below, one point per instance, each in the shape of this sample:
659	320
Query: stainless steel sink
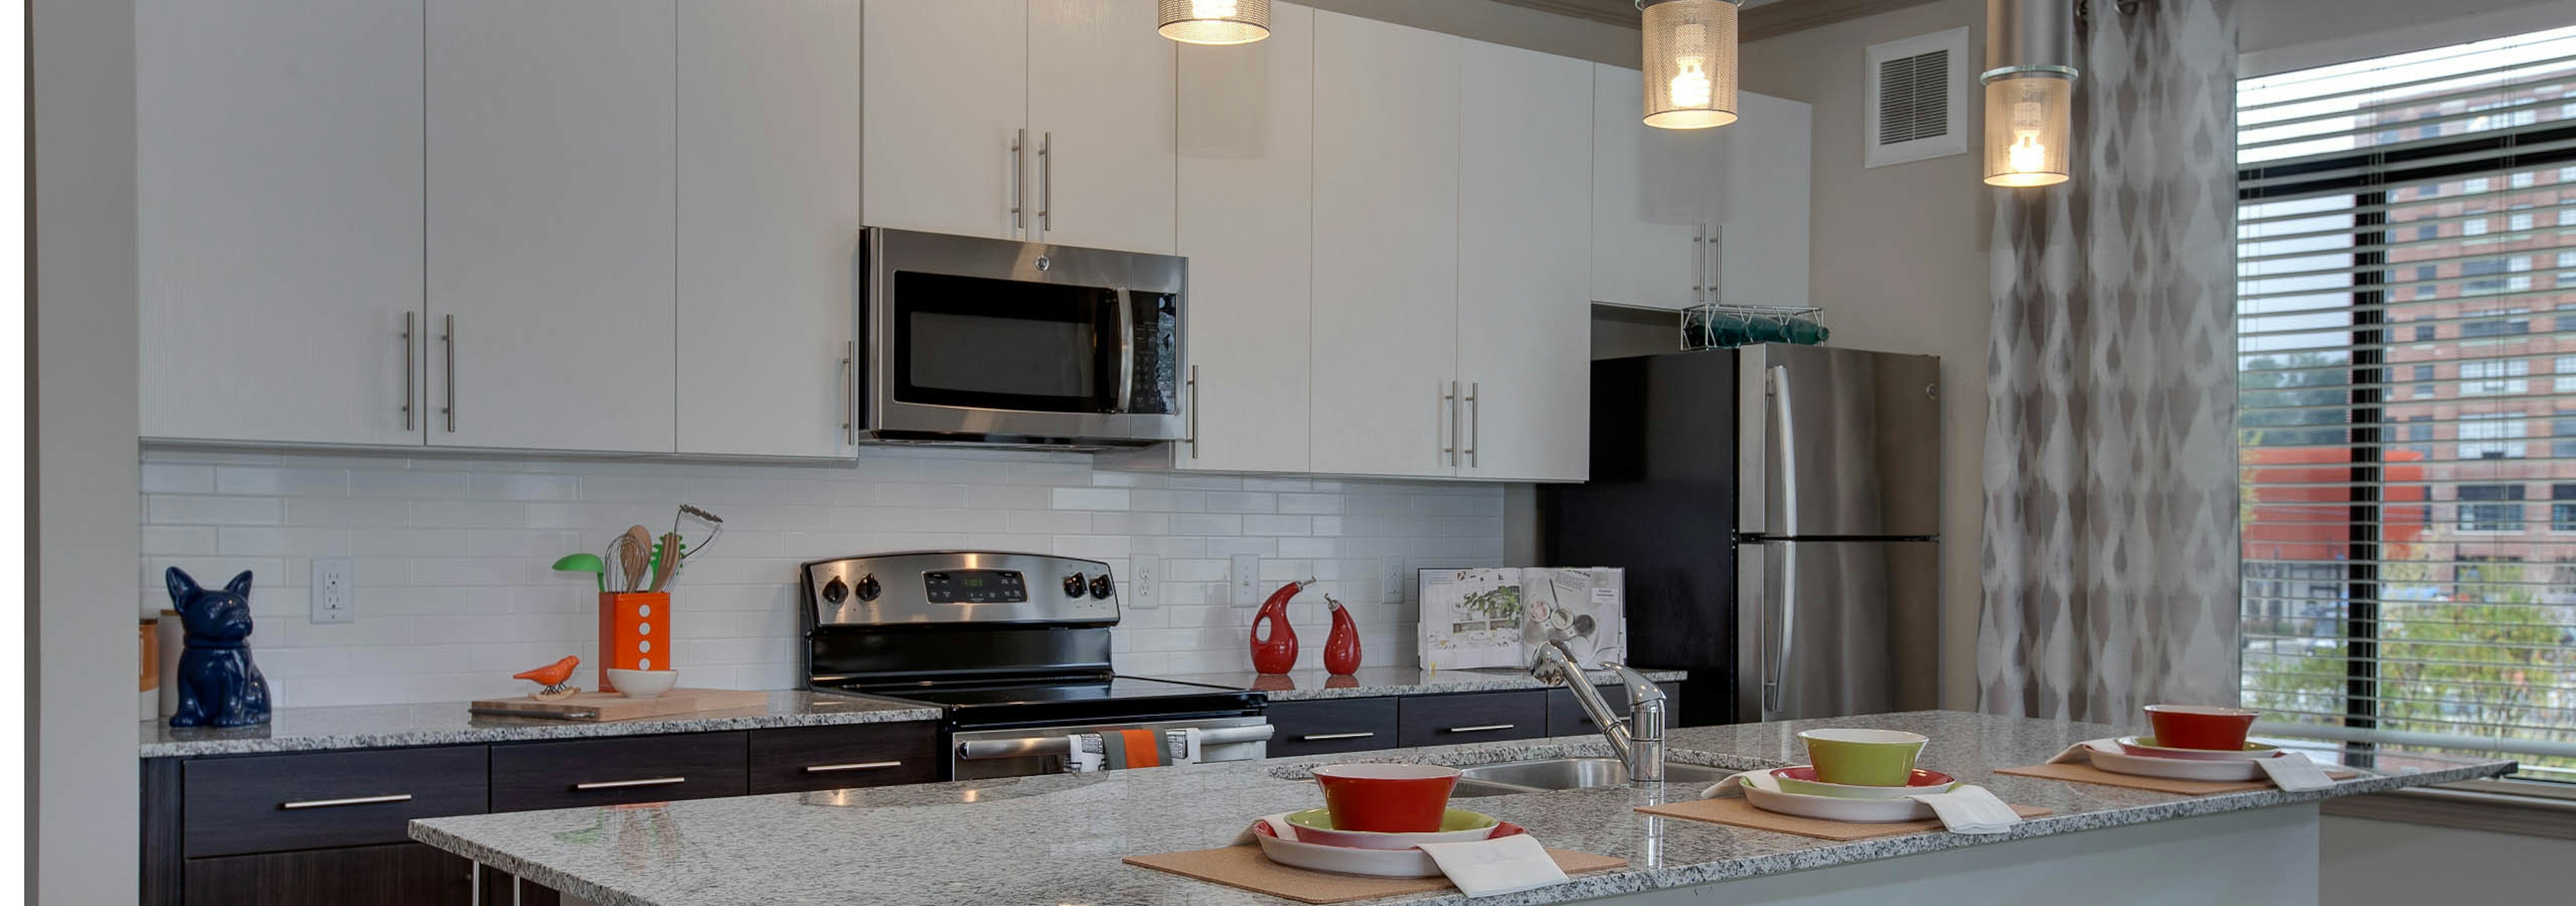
1568	774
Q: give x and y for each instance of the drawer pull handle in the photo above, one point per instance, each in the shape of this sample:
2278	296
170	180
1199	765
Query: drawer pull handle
622	784
353	800
1314	737
1482	728
853	766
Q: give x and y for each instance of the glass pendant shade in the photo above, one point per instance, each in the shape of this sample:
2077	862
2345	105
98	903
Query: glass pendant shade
2030	119
1690	63
1215	21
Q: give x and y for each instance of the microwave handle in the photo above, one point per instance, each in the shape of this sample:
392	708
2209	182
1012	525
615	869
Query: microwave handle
1126	350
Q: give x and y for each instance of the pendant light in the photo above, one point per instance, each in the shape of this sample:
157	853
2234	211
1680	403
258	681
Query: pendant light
2030	92
1215	21
1690	63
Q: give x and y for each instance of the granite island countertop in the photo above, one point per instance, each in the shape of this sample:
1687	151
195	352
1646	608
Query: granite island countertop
448	723
1059	838
1378	682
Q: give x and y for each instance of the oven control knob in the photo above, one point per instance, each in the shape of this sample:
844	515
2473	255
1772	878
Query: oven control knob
835	591
1073	585
1100	586
869	588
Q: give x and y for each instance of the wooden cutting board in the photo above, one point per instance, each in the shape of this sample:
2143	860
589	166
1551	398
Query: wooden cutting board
603	706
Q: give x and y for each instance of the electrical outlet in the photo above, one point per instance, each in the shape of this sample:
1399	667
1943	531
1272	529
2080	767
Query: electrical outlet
1394	579
334	600
1243	581
1144	579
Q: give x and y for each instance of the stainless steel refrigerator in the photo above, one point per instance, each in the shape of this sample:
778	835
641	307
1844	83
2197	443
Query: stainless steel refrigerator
1777	510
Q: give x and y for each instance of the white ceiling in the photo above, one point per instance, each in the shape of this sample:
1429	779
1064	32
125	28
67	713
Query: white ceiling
1621	12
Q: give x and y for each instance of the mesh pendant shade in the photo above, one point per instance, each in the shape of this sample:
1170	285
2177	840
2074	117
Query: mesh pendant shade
1690	64
1215	21
2030	118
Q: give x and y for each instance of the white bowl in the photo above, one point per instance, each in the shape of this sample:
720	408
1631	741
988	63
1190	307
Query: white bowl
643	683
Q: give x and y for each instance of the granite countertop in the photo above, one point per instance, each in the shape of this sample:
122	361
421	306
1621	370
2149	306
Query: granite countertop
448	723
1059	838
1375	682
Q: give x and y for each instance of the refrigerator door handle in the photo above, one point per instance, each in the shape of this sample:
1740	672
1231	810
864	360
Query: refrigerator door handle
1785	472
1751	667
1777	666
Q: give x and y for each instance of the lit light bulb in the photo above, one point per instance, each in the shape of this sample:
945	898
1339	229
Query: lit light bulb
1212	9
2026	155
1691	88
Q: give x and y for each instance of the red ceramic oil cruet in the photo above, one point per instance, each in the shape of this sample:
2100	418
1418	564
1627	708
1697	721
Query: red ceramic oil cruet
1342	648
1275	650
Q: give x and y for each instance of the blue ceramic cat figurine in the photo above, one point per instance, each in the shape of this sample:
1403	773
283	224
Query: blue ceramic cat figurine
218	685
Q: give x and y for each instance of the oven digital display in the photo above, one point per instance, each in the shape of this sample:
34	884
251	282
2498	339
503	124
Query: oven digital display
975	586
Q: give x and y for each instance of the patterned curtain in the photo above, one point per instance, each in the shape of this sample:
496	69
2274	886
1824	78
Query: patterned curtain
2111	547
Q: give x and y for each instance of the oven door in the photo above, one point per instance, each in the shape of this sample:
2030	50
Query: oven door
1030	751
974	338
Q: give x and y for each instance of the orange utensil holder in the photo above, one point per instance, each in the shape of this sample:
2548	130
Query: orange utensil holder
634	633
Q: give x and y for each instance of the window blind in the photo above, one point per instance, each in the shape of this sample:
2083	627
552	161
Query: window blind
2406	306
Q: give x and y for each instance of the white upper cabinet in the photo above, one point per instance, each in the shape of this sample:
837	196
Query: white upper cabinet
1386	248
1100	109
768	225
551	224
1247	226
279	218
1763	208
1651	193
948	98
1524	255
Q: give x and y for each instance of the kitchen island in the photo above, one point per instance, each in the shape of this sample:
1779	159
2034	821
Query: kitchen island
1058	839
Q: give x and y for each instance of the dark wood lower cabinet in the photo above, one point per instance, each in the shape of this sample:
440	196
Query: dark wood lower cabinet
396	874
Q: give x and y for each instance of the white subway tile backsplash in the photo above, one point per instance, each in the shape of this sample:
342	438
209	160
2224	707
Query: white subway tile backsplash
454	590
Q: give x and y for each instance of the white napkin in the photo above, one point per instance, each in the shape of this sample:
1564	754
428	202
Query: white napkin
1278	823
1483	868
1970	809
2079	753
2292	771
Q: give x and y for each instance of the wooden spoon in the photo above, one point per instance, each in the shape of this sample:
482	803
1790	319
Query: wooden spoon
634	556
666	560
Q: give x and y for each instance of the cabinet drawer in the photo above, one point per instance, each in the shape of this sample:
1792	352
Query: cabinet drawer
399	874
266	803
830	758
1440	720
615	771
1338	725
1565	717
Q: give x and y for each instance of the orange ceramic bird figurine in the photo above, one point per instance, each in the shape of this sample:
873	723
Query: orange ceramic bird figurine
552	676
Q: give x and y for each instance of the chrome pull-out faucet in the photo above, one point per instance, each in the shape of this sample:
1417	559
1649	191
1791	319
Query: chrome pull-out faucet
1638	741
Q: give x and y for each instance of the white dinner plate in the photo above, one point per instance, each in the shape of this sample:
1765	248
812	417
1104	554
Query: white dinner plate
1764	793
2145	747
2107	756
1377	863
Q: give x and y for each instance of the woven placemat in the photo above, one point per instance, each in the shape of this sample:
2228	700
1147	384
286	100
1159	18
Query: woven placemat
1245	867
1734	810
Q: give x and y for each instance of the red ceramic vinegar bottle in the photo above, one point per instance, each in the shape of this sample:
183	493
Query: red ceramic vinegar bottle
1276	651
1342	648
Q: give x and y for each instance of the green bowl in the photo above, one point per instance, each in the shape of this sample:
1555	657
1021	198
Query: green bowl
1863	757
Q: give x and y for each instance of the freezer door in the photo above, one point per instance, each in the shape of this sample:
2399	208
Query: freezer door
1838	442
1837	628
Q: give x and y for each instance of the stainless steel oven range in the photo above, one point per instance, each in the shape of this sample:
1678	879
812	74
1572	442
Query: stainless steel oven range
1013	648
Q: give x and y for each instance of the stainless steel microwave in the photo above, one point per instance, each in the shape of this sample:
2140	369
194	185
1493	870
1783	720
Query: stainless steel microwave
989	340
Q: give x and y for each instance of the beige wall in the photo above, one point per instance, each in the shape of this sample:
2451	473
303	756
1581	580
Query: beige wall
1900	265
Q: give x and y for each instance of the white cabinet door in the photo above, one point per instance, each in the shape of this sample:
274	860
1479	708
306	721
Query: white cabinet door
1651	190
1524	197
768	225
1100	109
1247	226
1386	252
550	224
278	169
1763	202
948	94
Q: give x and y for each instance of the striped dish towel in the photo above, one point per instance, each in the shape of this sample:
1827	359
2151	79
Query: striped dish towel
1116	750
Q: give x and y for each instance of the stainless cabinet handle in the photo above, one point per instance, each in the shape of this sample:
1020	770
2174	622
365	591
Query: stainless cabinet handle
622	784
1475	422
449	338
1046	183
1716	262
849	396
1019	140
1318	737
1483	728
1699	263
853	766
407	366
1193	437
1449	400
353	800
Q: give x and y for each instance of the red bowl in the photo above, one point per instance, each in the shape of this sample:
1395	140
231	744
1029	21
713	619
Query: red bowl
2208	727
1386	798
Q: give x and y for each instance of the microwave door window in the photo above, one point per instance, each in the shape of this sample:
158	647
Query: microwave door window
1003	344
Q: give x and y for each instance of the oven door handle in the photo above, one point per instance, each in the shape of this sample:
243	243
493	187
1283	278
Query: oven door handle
1026	746
1126	350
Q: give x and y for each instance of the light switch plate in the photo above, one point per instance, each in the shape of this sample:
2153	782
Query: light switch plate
1243	580
1144	579
334	600
1394	579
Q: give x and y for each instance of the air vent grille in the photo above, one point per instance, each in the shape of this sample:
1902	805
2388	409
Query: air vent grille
1914	97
